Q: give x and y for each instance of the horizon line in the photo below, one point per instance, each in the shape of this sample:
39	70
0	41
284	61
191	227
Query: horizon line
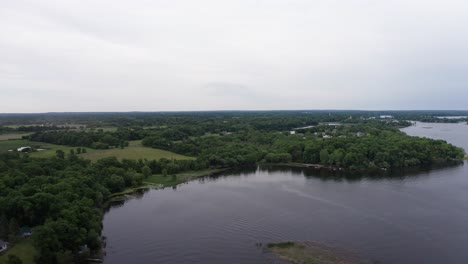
234	110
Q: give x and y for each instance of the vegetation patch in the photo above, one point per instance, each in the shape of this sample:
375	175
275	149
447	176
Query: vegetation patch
103	129
41	149
134	151
178	178
281	245
311	253
23	249
13	136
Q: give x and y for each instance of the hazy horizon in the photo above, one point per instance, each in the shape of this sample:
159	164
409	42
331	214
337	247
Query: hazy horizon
443	111
158	56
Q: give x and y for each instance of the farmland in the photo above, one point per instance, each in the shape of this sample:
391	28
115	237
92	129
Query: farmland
134	151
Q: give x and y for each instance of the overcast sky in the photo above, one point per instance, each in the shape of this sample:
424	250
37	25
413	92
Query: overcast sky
120	55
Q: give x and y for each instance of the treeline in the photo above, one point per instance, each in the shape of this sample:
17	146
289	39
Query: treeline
63	198
214	120
96	140
370	146
25	129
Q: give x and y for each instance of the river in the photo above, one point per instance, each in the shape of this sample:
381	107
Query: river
413	218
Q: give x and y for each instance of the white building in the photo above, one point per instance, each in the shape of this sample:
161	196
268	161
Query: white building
386	117
3	245
24	149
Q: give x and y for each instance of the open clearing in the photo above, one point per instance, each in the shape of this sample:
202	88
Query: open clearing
22	249
134	151
103	128
13	136
49	149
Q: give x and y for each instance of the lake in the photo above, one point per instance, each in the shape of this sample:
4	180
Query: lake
413	218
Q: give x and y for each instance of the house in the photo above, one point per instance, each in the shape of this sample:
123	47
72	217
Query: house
386	117
83	249
25	231
3	245
24	149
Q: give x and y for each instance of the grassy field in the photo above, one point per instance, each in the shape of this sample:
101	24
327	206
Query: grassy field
13	136
6	145
22	249
104	128
134	151
49	151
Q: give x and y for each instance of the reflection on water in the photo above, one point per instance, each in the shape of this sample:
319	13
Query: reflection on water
412	217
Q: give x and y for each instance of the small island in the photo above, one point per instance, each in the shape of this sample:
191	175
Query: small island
310	253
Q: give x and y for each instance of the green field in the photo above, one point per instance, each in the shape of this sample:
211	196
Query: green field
6	145
22	249
103	128
134	151
13	136
49	149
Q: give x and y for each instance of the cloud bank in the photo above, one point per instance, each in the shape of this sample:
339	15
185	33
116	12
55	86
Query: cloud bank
116	55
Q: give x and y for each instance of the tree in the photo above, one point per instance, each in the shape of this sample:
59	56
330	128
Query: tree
60	154
3	227
13	259
324	156
116	183
13	229
146	171
47	243
137	179
93	240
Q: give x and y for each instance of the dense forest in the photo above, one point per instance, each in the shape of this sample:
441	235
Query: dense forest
363	147
260	119
229	140
63	197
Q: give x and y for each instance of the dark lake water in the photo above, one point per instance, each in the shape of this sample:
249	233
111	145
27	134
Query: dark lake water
413	218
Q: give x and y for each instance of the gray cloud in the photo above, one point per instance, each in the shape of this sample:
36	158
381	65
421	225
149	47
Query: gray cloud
115	55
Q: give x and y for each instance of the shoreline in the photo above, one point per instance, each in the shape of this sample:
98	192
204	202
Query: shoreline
310	165
379	171
181	178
